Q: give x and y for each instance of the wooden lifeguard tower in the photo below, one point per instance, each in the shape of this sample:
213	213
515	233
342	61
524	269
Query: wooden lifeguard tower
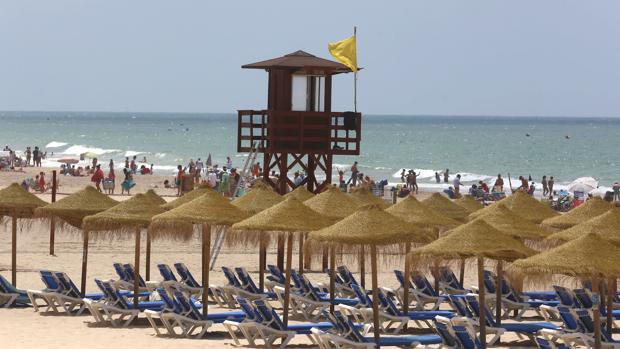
299	128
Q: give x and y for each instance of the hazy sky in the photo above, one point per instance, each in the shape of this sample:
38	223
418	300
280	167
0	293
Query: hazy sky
526	57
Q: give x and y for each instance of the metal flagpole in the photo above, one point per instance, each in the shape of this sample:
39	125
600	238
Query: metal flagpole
355	73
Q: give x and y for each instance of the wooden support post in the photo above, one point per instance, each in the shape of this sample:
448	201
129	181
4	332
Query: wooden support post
280	258
287	278
462	273
325	262
362	263
375	294
407	278
206	251
14	248
483	304
301	253
53	220
498	294
332	277
596	313
262	261
136	272
147	268
611	290
84	262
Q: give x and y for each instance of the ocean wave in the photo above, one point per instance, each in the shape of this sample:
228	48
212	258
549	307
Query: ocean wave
430	175
81	149
55	144
130	153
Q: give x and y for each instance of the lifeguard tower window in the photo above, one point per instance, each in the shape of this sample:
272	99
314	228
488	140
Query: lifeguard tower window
308	93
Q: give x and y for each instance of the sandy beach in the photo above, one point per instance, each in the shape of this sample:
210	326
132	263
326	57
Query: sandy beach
52	331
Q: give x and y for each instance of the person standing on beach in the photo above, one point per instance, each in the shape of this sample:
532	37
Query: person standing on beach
499	183
402	176
446	177
28	156
35	156
544	185
550	183
354	172
412	181
133	166
616	189
97	177
228	162
41	182
127	162
437	177
179	180
456	183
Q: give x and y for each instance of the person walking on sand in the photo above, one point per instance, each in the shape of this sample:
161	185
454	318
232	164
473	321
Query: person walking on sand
97	177
616	188
456	183
550	183
446	176
354	172
545	186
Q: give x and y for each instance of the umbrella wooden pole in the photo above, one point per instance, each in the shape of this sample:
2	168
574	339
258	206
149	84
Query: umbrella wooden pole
498	294
84	262
375	294
287	278
301	253
610	304
482	302
147	268
262	249
462	273
362	263
280	254
407	278
324	262
136	271
332	277
14	248
597	314
53	223
206	250
435	273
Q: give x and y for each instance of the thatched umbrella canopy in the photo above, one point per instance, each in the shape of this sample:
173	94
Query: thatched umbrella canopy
17	203
589	256
446	207
155	197
469	203
126	218
187	197
364	197
301	193
479	240
259	198
285	218
73	208
606	225
529	208
372	226
207	210
333	203
506	221
588	210
413	211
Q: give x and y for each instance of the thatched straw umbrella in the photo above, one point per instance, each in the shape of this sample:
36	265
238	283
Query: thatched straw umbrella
210	209
446	207
478	240
589	256
301	193
506	221
283	219
469	203
606	225
71	211
259	198
413	211
155	197
590	209
334	203
528	207
364	197
187	197
17	203
127	218
372	226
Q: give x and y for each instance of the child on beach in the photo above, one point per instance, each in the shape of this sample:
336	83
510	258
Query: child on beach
97	177
128	183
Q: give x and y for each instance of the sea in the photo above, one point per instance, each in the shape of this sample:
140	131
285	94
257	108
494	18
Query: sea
477	147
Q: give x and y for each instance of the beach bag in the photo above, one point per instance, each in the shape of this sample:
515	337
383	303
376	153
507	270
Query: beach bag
108	184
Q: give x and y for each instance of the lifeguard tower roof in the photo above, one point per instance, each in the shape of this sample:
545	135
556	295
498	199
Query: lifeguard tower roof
300	61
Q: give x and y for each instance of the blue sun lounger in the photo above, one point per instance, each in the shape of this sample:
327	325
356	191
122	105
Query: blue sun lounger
11	296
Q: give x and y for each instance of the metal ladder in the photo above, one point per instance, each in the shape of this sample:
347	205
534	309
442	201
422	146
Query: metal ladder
243	175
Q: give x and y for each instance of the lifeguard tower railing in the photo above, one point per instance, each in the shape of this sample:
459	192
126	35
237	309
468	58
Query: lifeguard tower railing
299	132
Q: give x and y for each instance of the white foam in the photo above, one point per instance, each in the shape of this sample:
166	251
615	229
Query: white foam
81	149
54	144
160	155
130	153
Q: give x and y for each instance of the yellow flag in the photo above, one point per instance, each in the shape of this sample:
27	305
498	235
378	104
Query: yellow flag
345	52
